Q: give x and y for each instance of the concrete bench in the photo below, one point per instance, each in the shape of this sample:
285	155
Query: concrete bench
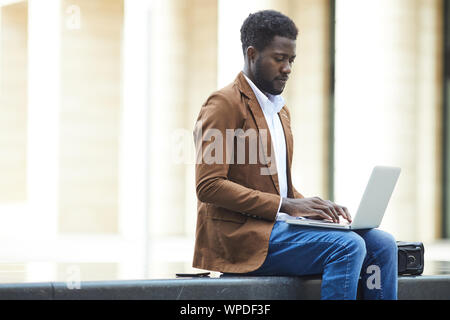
229	288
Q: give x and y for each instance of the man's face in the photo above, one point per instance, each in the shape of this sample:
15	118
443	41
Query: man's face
271	67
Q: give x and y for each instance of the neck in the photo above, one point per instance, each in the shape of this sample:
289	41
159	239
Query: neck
250	75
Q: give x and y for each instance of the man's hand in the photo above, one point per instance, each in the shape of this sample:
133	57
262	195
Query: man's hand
315	208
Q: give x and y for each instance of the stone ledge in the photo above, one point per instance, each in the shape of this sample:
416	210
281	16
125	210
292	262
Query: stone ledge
229	288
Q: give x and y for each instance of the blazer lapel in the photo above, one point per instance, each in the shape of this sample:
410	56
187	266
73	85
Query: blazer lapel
265	141
289	146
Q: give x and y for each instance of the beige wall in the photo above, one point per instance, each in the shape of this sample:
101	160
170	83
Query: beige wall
13	102
90	116
429	112
201	79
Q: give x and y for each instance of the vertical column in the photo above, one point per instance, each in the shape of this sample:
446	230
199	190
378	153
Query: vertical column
167	105
134	158
361	84
43	115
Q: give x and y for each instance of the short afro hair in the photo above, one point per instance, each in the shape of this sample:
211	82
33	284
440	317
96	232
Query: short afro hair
259	29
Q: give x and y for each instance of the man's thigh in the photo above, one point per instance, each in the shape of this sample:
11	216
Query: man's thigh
302	250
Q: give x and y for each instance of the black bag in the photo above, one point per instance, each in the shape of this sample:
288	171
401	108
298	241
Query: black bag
410	258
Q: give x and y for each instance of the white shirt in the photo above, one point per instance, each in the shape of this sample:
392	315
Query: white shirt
271	105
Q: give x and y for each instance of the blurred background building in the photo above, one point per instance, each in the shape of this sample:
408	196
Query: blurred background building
98	99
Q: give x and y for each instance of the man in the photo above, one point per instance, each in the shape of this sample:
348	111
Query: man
243	202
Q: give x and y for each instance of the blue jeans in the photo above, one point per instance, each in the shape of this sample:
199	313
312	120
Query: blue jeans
343	258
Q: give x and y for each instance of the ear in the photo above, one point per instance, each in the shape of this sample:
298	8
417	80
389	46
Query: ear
252	54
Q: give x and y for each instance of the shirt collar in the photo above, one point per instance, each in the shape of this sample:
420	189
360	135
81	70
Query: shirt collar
270	104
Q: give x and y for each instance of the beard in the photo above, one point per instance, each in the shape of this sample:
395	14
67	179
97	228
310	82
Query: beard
262	83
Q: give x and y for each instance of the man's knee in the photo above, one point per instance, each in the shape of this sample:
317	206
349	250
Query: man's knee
356	245
352	245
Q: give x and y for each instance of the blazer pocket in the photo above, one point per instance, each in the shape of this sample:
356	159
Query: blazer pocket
222	214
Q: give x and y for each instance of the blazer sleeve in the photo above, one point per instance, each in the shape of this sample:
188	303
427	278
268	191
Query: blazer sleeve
212	163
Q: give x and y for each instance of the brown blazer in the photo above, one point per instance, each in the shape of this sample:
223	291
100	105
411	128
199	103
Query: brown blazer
237	205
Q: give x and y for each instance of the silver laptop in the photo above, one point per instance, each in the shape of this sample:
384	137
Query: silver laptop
372	206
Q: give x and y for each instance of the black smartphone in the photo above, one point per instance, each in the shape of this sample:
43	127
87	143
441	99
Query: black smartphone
193	275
